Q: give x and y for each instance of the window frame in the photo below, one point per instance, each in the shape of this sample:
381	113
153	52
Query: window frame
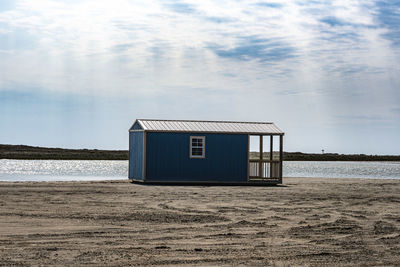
203	155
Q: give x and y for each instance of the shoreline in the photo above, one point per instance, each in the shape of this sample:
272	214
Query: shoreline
117	180
106	179
217	185
25	152
307	221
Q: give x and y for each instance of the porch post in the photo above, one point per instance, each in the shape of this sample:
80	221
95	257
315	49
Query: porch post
271	147
271	151
280	157
261	157
248	157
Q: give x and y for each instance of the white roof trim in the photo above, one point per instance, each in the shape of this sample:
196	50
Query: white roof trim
194	126
141	124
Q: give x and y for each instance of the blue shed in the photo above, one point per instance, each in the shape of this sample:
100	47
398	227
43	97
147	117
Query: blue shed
205	152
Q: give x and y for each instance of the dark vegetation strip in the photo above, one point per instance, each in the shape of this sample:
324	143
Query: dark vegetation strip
30	152
299	156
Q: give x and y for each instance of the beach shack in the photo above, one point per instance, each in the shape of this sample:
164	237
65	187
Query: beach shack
203	152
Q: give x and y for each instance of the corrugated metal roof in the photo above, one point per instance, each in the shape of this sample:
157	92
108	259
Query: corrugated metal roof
209	126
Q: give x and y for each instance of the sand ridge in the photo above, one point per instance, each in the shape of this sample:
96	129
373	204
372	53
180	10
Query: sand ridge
307	221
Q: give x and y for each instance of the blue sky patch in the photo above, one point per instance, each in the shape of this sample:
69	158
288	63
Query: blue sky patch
334	22
263	50
122	47
219	19
182	8
389	18
6	5
269	4
16	40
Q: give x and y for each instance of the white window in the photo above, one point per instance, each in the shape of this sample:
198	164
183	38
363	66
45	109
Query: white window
197	146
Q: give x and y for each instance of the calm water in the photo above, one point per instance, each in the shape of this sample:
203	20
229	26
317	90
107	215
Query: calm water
74	170
342	169
62	170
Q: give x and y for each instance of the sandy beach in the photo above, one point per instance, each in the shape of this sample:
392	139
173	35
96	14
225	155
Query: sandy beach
307	221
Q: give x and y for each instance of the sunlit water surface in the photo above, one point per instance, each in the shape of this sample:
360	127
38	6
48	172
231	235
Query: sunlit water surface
62	170
342	169
86	170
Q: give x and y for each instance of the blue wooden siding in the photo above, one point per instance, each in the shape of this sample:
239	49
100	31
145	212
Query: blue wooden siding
136	126
167	158
136	155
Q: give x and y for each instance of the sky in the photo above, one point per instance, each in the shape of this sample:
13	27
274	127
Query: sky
76	74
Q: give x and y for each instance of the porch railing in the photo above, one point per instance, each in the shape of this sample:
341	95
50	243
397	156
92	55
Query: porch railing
263	169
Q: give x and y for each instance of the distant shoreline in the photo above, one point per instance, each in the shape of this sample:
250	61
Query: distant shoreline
44	153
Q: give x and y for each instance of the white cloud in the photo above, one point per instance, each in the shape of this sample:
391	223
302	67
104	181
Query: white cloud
148	48
76	39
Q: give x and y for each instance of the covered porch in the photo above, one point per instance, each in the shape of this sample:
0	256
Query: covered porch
266	165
